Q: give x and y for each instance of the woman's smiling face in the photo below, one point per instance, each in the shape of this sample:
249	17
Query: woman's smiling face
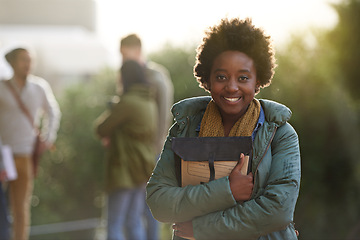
233	83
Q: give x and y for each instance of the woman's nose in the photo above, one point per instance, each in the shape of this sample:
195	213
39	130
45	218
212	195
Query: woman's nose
232	85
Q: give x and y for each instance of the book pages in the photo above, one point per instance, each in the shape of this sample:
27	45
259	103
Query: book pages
194	173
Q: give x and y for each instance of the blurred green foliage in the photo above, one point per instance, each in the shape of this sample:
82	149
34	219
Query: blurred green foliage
344	39
317	77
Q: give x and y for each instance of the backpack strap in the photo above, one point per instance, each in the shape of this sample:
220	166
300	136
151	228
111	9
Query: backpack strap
21	104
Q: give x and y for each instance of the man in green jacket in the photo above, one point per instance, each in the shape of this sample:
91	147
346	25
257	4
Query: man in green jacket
129	128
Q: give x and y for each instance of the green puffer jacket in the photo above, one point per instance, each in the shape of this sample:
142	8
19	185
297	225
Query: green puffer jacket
131	125
211	207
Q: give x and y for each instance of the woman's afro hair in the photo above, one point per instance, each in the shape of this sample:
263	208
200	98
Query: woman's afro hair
235	35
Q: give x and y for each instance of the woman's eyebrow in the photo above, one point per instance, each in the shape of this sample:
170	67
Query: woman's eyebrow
224	70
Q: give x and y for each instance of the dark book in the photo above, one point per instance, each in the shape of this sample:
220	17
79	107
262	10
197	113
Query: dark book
203	159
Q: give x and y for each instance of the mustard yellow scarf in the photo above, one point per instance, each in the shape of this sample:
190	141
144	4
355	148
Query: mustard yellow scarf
212	126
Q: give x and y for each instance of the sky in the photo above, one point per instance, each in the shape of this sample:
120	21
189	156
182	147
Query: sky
184	22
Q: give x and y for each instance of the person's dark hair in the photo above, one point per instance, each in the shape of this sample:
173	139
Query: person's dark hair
132	73
131	40
11	56
235	35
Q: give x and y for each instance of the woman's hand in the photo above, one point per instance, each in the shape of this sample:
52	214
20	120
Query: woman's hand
241	185
105	141
184	230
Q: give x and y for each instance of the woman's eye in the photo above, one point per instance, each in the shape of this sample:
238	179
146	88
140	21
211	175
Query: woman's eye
221	77
243	78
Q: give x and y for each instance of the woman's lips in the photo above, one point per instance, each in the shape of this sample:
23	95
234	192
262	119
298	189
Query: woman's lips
232	99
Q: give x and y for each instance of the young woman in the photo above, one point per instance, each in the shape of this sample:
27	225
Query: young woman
234	61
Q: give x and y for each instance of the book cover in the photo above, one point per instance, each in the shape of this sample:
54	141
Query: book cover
208	158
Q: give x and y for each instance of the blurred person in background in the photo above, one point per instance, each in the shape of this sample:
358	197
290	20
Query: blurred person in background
19	133
4	218
159	77
128	130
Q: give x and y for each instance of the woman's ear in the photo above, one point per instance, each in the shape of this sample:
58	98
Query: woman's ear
207	85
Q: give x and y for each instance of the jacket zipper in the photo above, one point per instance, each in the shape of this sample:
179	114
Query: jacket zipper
267	148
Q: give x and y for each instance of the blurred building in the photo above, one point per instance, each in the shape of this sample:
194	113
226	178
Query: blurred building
62	34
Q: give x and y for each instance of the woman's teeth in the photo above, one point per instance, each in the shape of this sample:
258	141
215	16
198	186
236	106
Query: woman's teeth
231	99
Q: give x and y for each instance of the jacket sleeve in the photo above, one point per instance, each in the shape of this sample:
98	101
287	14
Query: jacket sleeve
110	119
271	209
51	108
164	101
170	203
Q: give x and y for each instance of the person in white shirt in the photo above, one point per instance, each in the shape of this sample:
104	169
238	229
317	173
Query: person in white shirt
18	132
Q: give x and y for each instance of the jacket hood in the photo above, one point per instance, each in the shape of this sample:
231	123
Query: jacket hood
274	112
189	107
